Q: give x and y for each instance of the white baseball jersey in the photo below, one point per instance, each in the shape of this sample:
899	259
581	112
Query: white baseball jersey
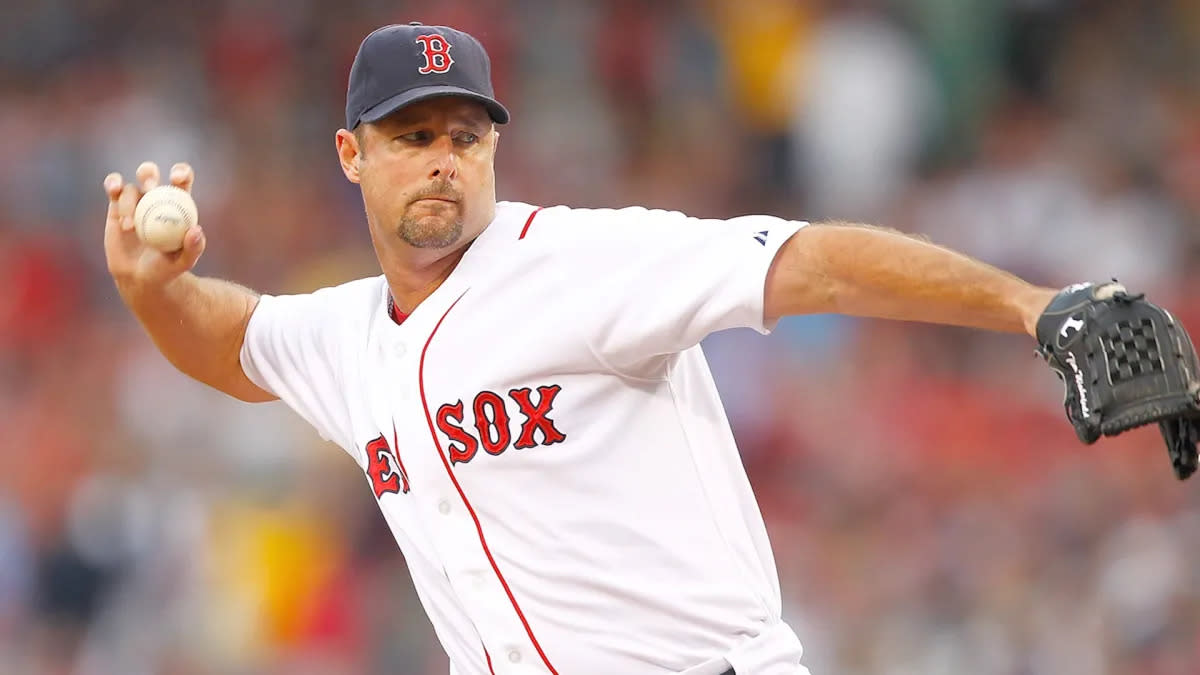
546	443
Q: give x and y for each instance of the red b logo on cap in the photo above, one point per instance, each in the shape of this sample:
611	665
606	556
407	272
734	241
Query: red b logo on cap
437	54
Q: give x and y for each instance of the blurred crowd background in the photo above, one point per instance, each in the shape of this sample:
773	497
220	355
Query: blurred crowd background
931	511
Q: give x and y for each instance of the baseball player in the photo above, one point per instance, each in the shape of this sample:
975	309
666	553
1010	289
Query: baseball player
522	386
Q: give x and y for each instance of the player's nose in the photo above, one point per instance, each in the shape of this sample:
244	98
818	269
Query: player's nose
444	163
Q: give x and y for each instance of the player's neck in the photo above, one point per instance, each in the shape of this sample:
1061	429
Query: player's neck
411	283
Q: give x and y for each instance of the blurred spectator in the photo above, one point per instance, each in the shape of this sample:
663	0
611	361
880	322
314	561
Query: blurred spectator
930	510
865	108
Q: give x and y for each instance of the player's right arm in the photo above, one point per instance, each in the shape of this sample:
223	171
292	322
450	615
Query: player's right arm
198	323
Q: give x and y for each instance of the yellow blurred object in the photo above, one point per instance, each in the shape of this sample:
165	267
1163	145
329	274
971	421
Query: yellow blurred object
759	42
270	564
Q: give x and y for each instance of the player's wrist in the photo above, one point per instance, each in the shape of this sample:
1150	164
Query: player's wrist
138	291
1032	305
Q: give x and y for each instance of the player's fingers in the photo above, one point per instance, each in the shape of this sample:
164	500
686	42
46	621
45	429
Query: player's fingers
147	176
126	203
112	220
182	176
112	188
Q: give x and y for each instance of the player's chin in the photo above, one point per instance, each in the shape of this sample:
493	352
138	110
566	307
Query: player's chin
431	231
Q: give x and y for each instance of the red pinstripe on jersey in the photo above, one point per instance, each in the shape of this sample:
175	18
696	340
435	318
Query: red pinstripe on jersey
449	472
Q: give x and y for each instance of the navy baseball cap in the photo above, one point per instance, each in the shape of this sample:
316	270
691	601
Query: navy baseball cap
401	64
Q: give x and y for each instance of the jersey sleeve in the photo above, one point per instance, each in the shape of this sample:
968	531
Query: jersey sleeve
292	349
657	282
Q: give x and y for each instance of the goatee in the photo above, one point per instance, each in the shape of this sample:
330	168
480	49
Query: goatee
429	231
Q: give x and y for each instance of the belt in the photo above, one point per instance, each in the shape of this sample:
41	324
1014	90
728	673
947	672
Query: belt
729	672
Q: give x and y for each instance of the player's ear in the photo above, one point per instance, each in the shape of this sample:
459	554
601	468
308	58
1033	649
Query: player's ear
349	154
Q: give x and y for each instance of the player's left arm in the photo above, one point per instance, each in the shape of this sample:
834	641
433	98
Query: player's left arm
845	268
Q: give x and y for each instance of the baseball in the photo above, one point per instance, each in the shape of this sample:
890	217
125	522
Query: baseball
163	216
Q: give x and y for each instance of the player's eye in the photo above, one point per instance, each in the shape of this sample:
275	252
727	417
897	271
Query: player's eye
415	137
466	137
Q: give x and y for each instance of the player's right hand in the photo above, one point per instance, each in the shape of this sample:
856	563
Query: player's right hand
132	263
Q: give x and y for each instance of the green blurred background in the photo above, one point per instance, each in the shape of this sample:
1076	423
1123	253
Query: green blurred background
930	509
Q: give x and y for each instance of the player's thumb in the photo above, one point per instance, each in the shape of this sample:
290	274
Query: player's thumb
193	247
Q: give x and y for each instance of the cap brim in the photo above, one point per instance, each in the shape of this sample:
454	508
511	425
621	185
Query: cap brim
497	112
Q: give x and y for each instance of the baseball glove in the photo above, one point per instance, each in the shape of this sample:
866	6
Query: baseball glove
1125	363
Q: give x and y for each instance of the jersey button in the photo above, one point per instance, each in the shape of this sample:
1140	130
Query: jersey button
514	656
399	349
444	507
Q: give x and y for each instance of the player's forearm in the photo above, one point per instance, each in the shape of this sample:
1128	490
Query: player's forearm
861	271
199	324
